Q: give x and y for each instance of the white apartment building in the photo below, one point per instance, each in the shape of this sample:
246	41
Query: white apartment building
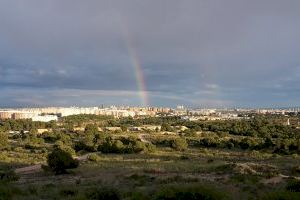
45	118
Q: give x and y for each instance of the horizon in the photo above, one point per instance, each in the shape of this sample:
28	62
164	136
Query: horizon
230	54
135	106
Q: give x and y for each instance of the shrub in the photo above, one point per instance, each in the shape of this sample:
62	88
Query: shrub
68	192
106	146
293	186
3	140
103	194
93	157
125	145
192	192
32	189
8	192
68	149
281	195
208	142
229	145
179	144
138	196
245	144
150	147
296	169
184	157
5	193
79	146
118	146
59	160
190	133
8	176
166	127
138	146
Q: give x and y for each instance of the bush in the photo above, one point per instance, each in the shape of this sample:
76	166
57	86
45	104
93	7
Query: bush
81	146
193	192
190	133
208	142
229	145
179	144
93	157
150	147
293	186
281	195
59	160
138	146
68	149
118	146
68	192
8	192
106	146
5	193
103	194
8	176
3	141
296	169
245	143
125	145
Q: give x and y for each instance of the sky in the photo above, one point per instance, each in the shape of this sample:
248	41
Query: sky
198	53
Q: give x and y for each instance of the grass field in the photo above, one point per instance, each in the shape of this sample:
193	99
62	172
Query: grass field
179	165
238	174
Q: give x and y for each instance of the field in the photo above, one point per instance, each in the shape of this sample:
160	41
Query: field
167	170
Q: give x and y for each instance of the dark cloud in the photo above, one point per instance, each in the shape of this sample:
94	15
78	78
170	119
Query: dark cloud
194	52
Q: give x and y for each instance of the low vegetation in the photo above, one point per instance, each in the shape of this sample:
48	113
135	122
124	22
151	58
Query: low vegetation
59	161
256	158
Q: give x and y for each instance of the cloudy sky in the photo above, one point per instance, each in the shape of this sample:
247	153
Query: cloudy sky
215	53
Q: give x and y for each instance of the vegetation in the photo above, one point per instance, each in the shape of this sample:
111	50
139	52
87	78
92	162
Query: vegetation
179	144
190	193
59	160
3	140
257	158
123	145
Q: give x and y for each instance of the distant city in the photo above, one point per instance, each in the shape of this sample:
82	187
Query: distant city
47	114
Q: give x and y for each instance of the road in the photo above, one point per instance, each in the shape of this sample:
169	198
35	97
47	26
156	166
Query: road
36	168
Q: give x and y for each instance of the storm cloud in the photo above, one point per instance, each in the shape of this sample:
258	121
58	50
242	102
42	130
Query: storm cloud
193	52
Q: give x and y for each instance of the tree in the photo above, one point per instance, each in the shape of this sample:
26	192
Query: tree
118	146
179	144
59	161
166	127
8	176
3	140
268	143
124	127
91	129
245	143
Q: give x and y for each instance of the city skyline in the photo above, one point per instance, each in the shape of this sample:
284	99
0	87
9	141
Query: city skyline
151	53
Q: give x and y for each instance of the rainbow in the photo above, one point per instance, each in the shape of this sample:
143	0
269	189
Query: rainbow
139	75
140	80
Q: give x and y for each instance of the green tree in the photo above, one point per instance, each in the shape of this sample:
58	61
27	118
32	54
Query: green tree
166	127
90	132
179	144
3	140
118	146
59	161
91	129
123	127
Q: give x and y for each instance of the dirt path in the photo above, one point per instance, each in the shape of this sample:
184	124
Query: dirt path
29	170
37	168
83	157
